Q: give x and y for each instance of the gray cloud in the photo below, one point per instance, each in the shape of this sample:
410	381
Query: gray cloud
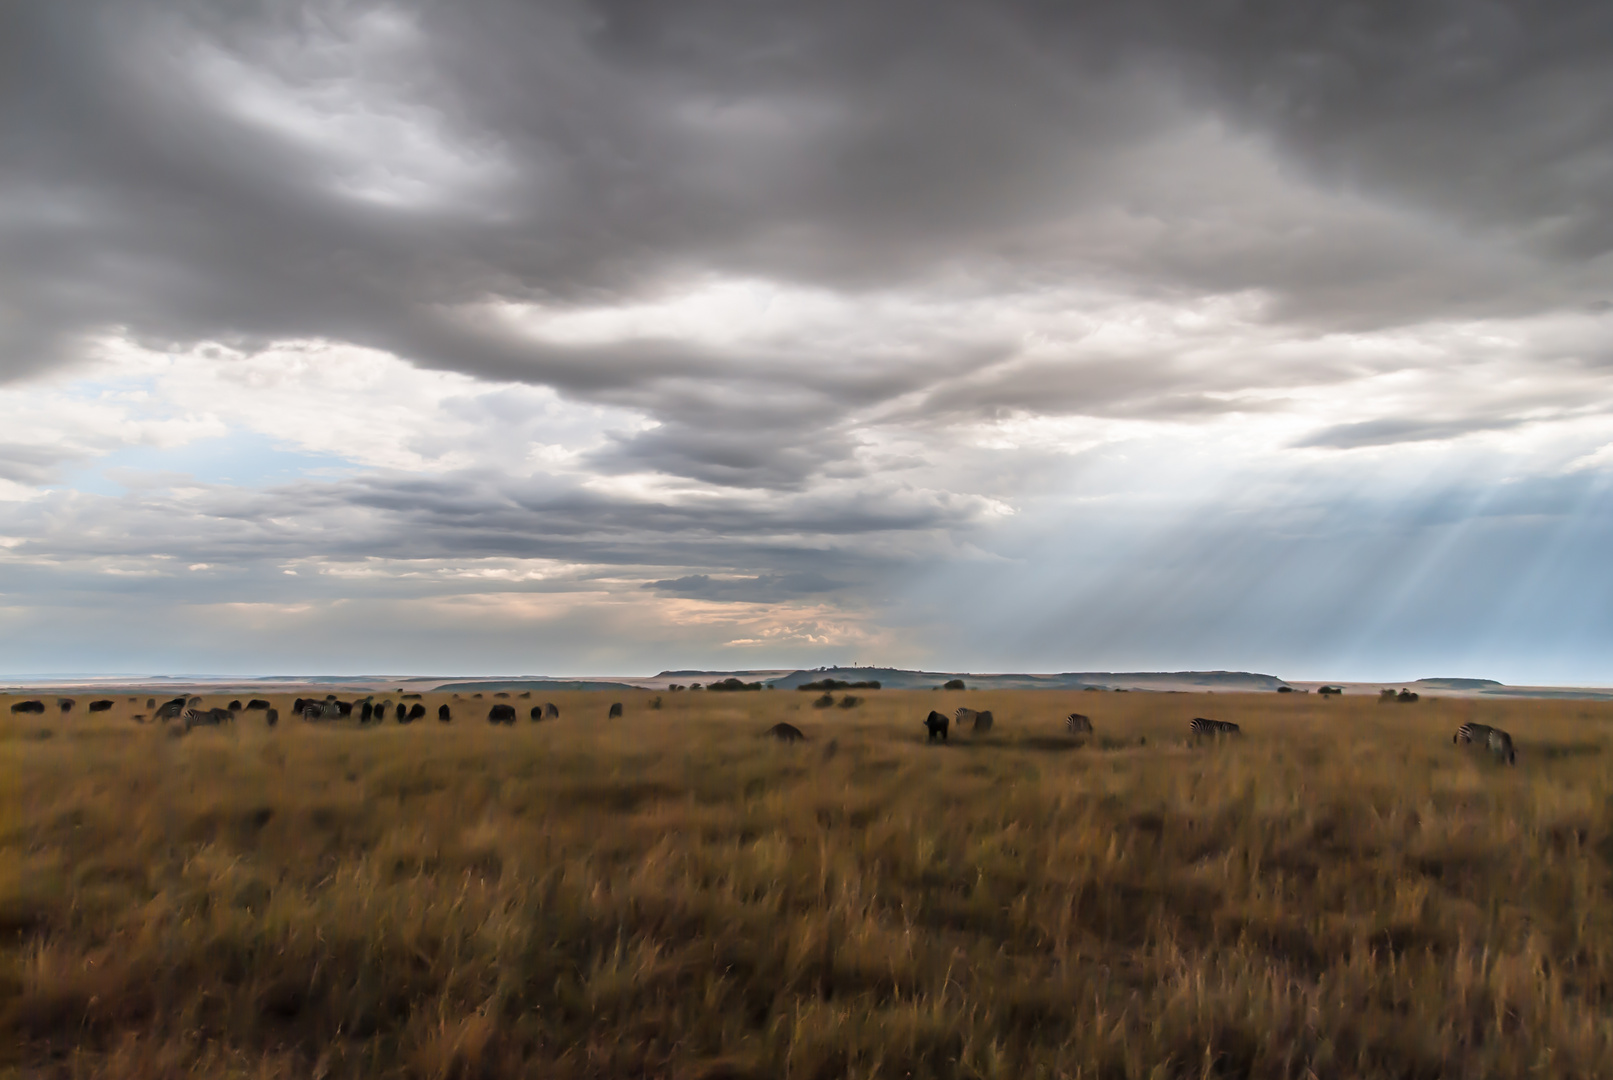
1238	198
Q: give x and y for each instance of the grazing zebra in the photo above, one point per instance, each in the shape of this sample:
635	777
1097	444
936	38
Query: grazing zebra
206	718
936	723
786	733
615	710
979	722
1201	726
1077	724
170	710
1498	742
551	711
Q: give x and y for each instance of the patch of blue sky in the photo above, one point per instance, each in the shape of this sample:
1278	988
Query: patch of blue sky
240	459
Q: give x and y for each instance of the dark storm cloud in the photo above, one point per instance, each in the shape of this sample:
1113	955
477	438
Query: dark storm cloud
628	145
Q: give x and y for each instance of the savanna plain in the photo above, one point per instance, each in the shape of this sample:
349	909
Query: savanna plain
1340	892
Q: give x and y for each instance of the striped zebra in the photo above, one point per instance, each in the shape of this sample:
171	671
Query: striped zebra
1076	724
979	722
1201	726
195	718
1498	742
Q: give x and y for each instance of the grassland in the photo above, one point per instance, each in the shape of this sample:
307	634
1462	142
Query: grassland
1340	893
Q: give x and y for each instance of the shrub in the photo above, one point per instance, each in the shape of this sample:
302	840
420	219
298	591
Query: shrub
655	702
849	702
953	684
839	684
823	702
733	684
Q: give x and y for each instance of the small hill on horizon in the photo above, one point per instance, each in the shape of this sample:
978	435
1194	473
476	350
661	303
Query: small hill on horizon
1458	684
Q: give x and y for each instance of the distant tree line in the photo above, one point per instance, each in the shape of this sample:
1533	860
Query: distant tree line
839	684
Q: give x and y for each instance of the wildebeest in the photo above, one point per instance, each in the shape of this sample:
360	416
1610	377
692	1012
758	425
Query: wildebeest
272	717
402	713
1498	742
982	722
786	733
65	704
257	703
444	713
100	706
1077	724
615	710
235	706
28	707
551	711
501	714
365	713
195	718
1201	726
417	711
501	694
151	703
537	713
936	723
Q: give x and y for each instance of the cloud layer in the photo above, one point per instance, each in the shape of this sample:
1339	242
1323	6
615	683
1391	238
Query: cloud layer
608	334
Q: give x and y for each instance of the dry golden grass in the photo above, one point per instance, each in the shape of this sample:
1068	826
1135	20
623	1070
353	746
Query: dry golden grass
1340	893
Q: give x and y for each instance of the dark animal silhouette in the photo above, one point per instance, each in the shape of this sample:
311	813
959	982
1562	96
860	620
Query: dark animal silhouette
444	713
65	704
272	717
501	714
537	713
170	710
28	707
1077	724
1201	726
551	711
937	724
151	703
402	713
615	710
195	718
365	713
417	711
100	706
235	706
1498	742
257	703
786	733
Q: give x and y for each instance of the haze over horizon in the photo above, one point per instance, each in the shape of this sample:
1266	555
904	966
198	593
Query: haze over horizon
574	338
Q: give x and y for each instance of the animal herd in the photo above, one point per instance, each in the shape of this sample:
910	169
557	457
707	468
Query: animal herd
190	713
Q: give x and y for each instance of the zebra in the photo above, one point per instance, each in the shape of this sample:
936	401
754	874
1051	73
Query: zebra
1498	742
1201	726
936	723
979	722
551	711
1076	724
206	718
170	710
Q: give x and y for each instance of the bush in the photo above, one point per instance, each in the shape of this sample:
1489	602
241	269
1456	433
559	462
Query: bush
953	684
839	684
849	702
1329	691
823	702
655	702
734	684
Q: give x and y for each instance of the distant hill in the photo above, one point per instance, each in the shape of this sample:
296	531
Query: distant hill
901	679
536	684
1457	684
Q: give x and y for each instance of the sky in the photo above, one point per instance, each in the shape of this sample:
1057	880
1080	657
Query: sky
511	337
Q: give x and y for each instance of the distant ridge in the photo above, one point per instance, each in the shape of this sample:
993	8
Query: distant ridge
537	684
1457	684
902	679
